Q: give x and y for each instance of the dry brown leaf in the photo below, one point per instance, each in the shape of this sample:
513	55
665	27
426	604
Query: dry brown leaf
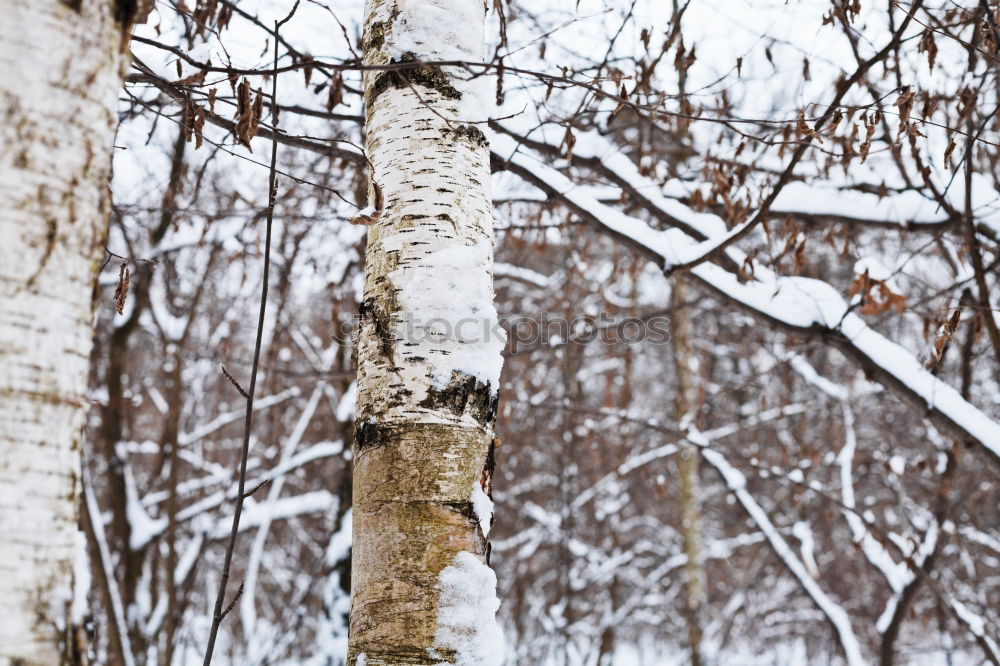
121	290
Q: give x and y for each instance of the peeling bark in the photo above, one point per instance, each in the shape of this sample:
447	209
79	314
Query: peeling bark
427	393
62	67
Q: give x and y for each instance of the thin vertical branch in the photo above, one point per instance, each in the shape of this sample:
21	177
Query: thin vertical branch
220	612
686	410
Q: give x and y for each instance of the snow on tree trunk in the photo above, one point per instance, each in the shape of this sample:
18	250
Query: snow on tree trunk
429	349
61	67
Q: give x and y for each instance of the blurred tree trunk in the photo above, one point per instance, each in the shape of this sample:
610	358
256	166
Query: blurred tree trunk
429	352
686	408
61	66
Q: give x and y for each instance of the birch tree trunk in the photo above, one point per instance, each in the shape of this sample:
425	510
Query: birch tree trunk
61	67
429	349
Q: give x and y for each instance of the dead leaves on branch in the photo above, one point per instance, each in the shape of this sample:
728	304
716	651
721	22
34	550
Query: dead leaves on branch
929	46
848	9
905	105
249	109
876	295
335	97
196	79
948	151
207	16
945	333
871	122
121	289
193	123
804	130
568	142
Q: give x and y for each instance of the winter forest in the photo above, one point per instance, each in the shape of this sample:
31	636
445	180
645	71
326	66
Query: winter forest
499	333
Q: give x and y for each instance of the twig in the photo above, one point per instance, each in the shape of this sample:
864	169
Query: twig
220	612
232	604
262	484
236	384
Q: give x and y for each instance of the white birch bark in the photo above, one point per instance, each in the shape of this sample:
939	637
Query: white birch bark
61	66
429	351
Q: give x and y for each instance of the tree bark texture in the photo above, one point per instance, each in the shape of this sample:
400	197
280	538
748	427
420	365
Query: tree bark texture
61	67
429	348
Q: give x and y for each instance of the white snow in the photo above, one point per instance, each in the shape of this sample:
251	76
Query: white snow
466	621
976	625
446	30
345	408
143	527
835	613
437	30
876	269
803	532
450	317
340	542
482	506
256	514
522	274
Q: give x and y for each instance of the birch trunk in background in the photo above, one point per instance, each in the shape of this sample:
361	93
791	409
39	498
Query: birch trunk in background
429	349
686	411
61	67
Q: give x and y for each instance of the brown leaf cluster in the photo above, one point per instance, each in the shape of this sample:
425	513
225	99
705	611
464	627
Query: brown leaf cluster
193	122
804	130
121	289
208	14
876	295
929	46
248	113
905	105
871	122
944	335
335	96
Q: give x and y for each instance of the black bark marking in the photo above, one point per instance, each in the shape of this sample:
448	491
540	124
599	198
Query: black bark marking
491	464
465	393
383	327
486	481
376	34
469	133
368	434
444	217
428	76
465	508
